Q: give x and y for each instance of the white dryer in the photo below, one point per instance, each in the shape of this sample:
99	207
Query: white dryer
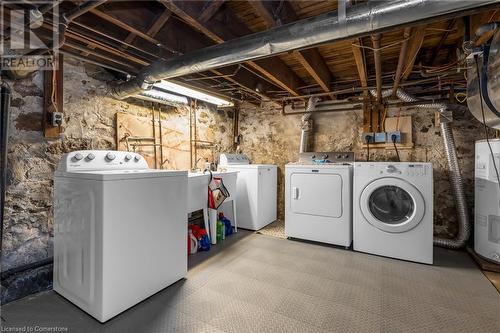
256	191
487	201
393	210
318	198
119	230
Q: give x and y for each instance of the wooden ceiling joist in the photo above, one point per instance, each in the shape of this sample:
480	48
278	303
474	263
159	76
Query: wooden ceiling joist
414	46
274	69
359	58
311	59
153	29
210	10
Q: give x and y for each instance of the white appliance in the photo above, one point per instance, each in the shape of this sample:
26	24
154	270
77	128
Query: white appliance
393	210
487	201
256	187
120	230
318	198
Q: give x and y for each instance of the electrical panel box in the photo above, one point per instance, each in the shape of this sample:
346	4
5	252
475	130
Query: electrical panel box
380	137
394	137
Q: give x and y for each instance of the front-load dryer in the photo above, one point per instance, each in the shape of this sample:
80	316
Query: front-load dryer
318	198
393	210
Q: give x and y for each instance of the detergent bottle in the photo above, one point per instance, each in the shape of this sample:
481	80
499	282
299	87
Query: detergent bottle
192	243
220	230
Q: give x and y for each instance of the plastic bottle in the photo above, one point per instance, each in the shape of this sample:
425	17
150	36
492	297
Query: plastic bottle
220	230
193	242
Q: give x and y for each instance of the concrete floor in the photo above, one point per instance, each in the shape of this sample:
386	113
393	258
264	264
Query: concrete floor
256	283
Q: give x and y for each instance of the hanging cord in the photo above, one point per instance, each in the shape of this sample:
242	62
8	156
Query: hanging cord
484	121
368	139
393	138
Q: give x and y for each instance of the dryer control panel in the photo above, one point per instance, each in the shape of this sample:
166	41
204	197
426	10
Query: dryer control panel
86	160
326	157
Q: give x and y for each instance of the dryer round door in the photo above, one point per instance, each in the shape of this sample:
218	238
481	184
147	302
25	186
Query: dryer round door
392	205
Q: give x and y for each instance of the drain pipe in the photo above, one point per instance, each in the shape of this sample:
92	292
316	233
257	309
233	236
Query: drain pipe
4	137
306	124
453	169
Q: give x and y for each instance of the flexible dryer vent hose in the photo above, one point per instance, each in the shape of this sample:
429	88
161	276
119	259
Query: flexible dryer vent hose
453	169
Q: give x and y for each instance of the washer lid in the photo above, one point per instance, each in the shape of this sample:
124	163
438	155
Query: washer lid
392	205
248	166
104	175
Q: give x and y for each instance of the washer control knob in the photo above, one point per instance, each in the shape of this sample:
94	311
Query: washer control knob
78	157
137	158
90	157
128	157
339	156
390	169
324	156
346	156
110	156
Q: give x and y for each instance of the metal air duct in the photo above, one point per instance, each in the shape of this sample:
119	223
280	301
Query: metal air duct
306	124
489	73
362	19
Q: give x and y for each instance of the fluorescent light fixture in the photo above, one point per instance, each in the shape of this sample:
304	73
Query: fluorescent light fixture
158	96
182	90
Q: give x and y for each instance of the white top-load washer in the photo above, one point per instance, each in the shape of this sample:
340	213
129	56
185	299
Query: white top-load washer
487	201
393	210
256	187
318	198
119	230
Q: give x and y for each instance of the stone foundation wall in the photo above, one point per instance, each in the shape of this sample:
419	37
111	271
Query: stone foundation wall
89	123
269	137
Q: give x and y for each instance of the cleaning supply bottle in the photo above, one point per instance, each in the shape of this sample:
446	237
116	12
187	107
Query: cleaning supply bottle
192	243
220	230
227	223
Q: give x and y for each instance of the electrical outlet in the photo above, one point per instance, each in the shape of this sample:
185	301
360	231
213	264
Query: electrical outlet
394	136
380	137
368	137
56	118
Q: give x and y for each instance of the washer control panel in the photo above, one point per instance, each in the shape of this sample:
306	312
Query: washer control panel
85	160
233	159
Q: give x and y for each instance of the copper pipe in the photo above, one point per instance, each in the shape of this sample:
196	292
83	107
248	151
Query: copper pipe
161	138
154	134
378	65
401	60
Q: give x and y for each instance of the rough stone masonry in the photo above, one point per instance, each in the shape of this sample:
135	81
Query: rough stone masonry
89	123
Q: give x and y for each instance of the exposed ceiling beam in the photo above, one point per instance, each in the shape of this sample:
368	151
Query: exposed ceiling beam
210	10
401	60
413	49
123	25
443	39
155	41
153	29
264	11
311	59
274	69
315	65
359	58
